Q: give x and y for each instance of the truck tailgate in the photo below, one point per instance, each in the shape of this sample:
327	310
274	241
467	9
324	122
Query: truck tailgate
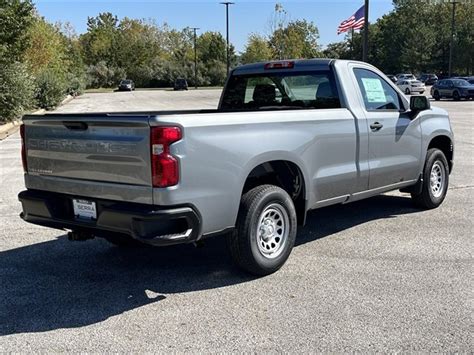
109	149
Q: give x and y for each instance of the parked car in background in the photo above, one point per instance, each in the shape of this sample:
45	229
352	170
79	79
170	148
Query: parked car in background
411	86
126	85
456	89
180	84
393	78
428	79
405	77
469	79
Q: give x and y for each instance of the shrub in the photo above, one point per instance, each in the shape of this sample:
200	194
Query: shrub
216	73
50	89
16	90
76	84
102	75
142	76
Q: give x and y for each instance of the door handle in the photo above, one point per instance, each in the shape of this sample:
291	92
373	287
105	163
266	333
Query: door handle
376	126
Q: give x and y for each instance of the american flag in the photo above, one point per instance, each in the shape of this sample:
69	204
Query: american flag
356	21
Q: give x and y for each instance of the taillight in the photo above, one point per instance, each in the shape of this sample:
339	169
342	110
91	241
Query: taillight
164	166
23	148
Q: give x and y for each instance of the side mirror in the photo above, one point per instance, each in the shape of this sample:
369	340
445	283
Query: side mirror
419	103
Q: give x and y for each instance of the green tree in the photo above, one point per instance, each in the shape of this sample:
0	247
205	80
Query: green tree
47	49
16	90
55	61
138	42
257	50
76	78
16	17
50	89
338	50
99	42
212	54
212	46
299	39
16	83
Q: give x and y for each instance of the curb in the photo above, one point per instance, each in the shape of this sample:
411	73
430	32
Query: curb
66	100
10	128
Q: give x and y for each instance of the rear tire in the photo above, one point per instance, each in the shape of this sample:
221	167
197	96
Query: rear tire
407	91
265	231
435	181
456	96
436	96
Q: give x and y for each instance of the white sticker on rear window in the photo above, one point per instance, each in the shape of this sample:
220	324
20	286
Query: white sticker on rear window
374	90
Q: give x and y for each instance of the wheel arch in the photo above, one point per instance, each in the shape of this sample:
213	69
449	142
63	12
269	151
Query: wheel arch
285	173
445	144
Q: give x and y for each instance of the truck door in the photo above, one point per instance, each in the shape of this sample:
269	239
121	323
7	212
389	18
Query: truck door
394	139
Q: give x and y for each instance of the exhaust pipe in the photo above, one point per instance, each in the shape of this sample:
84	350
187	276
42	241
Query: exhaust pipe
79	236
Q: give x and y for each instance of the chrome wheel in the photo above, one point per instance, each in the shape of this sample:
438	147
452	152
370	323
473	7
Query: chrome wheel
272	231
437	179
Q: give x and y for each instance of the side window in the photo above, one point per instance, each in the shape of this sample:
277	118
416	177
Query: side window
377	93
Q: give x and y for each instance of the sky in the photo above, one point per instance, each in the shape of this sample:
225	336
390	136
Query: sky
246	16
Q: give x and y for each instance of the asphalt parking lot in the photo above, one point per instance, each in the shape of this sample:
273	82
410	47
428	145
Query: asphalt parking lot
376	275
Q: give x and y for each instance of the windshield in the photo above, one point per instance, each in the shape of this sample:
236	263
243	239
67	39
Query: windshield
281	91
126	82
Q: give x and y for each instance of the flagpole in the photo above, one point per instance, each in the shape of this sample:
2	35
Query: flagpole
352	43
365	48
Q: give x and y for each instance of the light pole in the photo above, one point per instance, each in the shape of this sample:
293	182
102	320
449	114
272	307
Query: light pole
451	44
227	3
195	58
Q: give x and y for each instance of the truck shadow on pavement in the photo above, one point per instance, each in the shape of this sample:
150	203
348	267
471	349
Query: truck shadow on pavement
61	284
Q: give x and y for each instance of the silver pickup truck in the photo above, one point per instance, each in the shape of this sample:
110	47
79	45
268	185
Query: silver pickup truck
287	137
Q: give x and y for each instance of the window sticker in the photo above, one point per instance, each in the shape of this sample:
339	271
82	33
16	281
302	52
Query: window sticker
374	90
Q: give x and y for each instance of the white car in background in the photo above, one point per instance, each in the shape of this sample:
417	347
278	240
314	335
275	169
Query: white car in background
405	77
411	86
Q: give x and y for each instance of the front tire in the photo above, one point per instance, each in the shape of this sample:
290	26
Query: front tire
407	91
456	96
436	96
265	231
435	181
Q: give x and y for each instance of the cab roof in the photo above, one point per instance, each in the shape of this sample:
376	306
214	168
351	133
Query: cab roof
299	65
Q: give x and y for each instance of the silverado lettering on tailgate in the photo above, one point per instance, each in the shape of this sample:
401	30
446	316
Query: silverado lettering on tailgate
78	146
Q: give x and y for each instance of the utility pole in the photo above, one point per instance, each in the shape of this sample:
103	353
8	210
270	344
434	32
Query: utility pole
227	3
195	58
451	44
365	48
